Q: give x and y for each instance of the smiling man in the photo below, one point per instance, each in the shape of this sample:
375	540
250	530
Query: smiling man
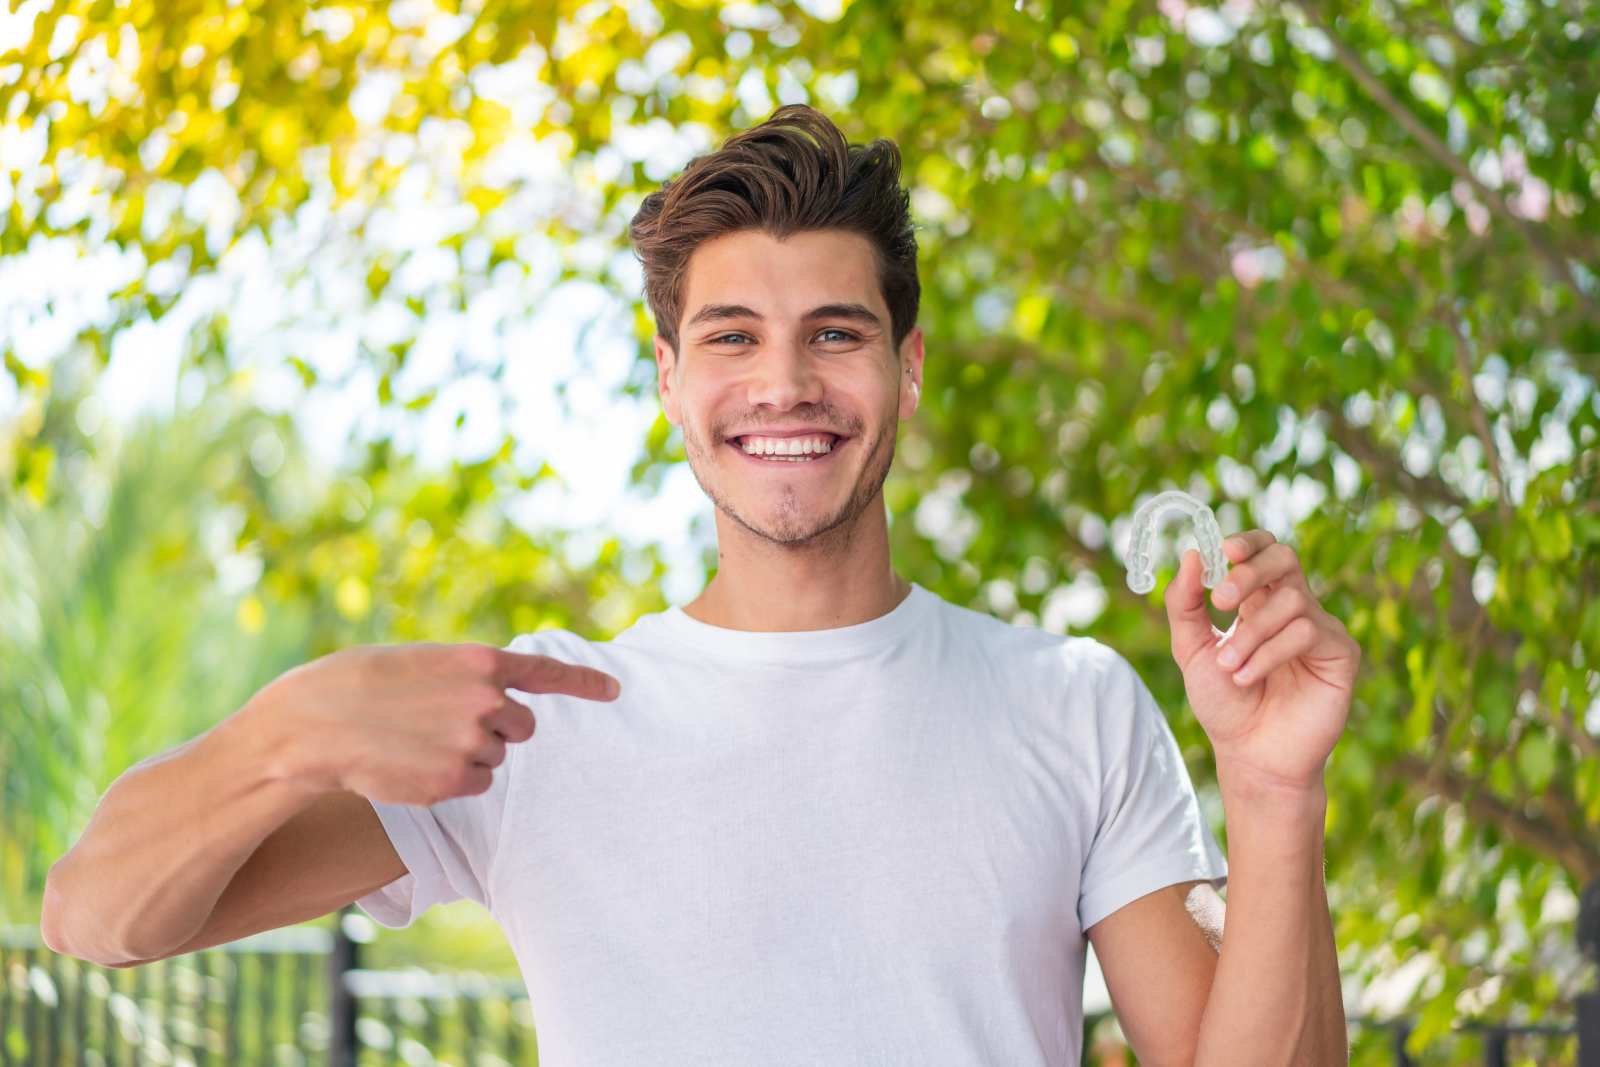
835	819
829	817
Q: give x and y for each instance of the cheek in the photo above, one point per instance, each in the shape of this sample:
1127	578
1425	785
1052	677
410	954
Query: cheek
875	390
698	414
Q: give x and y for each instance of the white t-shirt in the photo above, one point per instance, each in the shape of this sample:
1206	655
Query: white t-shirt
875	844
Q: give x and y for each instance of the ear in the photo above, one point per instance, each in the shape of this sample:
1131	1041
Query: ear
911	356
666	361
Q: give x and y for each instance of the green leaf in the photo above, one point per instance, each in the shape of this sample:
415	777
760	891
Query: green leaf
1536	760
1552	536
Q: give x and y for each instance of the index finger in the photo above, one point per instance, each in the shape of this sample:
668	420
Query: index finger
1246	543
533	673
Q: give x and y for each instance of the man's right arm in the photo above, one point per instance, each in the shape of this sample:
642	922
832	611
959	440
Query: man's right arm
267	819
210	842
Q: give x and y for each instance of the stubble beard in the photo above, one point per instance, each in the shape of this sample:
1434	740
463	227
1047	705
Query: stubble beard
790	524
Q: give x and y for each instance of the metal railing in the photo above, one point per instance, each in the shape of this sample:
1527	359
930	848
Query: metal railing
295	996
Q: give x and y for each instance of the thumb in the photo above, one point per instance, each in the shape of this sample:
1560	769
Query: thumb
1186	609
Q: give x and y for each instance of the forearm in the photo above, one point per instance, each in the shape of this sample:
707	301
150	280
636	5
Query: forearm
167	838
1275	998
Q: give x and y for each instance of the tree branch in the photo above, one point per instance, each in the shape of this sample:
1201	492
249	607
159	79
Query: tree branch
1480	422
1537	834
1567	725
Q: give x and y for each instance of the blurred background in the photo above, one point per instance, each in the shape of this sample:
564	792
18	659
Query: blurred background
320	328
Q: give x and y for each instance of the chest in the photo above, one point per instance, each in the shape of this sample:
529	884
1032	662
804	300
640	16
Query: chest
809	830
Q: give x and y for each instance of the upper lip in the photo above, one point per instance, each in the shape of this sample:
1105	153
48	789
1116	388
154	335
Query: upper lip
805	431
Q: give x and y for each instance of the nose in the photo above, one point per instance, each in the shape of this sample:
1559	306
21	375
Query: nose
782	376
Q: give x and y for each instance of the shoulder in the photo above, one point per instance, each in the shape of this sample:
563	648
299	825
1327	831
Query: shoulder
1074	682
545	642
1080	661
572	647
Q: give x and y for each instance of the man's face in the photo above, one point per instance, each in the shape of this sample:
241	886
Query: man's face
769	342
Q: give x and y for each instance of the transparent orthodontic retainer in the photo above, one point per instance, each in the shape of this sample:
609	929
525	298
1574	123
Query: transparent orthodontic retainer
1147	519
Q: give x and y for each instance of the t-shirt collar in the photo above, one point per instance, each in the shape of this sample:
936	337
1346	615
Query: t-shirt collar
799	645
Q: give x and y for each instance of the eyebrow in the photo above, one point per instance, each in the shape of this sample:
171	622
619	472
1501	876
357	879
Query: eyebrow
719	312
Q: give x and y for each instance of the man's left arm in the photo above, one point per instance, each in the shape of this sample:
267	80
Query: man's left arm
1275	997
1254	981
1273	696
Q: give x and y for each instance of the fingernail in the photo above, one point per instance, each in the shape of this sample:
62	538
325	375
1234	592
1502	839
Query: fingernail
1226	591
1228	658
613	688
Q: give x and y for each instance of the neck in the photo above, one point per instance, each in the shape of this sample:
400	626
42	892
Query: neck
840	578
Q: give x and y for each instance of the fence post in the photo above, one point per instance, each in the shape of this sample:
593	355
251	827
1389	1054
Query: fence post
342	1006
1494	1048
1402	1031
1589	1003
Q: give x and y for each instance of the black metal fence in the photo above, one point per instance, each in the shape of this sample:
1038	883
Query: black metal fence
288	997
300	996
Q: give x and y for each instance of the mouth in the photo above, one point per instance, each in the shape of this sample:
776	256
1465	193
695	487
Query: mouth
790	462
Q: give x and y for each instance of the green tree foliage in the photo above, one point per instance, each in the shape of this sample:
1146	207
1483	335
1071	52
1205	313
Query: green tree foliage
1331	268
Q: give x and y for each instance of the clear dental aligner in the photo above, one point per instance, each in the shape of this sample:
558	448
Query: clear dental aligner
1141	579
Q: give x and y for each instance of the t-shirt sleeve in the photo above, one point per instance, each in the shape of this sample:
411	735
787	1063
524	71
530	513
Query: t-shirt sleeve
447	848
1150	831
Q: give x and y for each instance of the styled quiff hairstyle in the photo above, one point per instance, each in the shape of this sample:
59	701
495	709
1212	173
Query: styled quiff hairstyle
793	172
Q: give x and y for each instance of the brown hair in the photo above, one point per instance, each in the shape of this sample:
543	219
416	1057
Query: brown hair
793	172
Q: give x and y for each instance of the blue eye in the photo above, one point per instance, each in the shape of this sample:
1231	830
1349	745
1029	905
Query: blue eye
845	335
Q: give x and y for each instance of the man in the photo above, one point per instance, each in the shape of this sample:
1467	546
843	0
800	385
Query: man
830	818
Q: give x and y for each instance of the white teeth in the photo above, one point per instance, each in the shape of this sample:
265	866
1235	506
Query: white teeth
781	447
